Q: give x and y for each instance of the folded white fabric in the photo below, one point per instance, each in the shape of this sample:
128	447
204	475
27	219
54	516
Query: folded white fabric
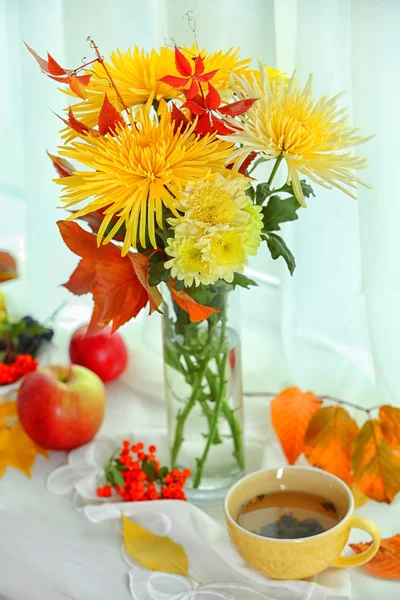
212	559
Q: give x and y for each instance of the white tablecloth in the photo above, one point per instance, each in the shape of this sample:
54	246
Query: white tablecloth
135	400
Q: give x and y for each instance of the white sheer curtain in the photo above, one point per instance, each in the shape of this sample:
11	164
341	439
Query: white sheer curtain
334	326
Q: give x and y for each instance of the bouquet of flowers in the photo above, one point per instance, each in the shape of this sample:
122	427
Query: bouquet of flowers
165	145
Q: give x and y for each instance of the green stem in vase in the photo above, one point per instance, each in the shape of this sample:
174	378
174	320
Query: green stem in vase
218	405
236	431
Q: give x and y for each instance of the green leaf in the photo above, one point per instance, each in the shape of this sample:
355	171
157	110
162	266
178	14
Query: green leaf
163	472
288	189
279	211
180	285
251	193
242	281
117	476
158	273
172	359
263	190
149	469
3	355
277	247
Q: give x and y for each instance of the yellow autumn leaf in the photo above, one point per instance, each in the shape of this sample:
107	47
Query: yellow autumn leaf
155	552
17	450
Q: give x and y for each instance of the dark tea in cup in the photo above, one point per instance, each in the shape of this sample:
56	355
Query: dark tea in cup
288	515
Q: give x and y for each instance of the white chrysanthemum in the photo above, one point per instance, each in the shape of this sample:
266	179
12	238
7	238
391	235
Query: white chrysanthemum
309	134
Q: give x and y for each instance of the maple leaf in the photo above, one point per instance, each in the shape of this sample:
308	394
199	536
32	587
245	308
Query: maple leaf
178	118
390	423
195	77
81	280
119	284
117	293
95	218
213	99
386	562
17	450
291	412
8	267
329	439
197	312
109	118
63	167
238	108
52	69
376	463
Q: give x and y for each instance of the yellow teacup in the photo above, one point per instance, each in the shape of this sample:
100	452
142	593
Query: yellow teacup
304	557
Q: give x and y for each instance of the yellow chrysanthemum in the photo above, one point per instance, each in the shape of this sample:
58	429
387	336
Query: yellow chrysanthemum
187	263
137	171
286	121
252	235
223	248
217	200
136	75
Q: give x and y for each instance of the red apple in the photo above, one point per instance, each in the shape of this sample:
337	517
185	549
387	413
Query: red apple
103	353
61	407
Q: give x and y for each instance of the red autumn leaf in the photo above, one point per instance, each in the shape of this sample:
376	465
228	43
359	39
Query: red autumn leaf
109	118
193	90
329	440
76	125
390	423
84	244
386	562
182	64
195	108
376	463
197	312
178	118
140	264
50	66
220	127
118	294
291	412
63	167
175	81
198	65
81	280
95	218
205	77
237	108
213	99
204	124
54	68
8	267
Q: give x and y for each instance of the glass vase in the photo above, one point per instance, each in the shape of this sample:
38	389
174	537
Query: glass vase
203	384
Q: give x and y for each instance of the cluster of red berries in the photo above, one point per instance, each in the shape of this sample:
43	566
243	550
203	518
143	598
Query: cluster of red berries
23	364
137	476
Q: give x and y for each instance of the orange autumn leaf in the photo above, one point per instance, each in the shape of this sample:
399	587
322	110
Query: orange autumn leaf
390	423
376	463
140	264
329	439
197	312
77	125
8	267
81	280
119	293
17	450
359	498
291	412
109	118
386	562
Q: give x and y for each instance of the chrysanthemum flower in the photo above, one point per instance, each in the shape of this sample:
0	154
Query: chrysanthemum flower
252	236
187	263
137	171
218	200
286	121
223	249
137	76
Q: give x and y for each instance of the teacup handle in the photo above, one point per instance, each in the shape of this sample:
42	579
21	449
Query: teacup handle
360	559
